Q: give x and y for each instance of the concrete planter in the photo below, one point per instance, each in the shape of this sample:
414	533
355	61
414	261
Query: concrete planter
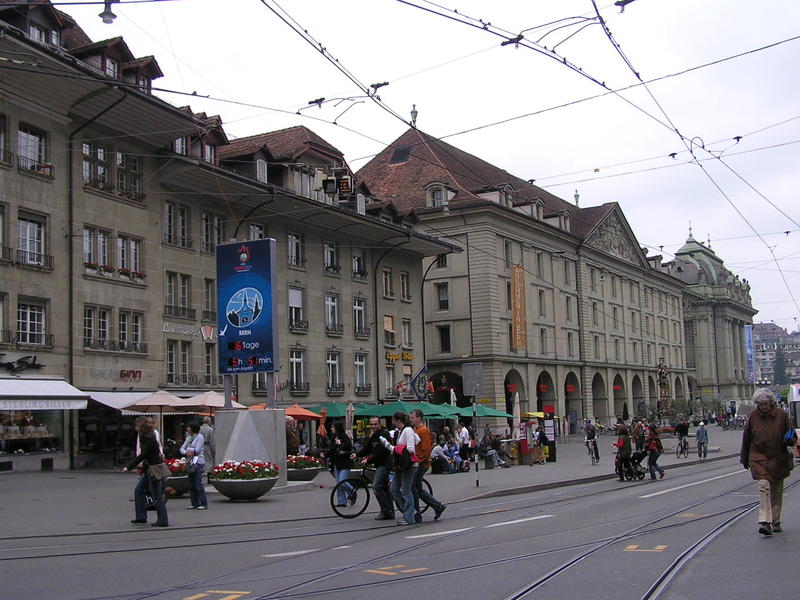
302	474
244	489
179	483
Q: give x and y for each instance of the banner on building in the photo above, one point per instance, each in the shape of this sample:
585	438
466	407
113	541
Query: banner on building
518	320
419	384
749	353
246	312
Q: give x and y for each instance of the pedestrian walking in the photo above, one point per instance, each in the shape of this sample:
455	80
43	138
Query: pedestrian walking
404	466
654	449
423	450
192	449
463	441
149	456
623	446
339	452
209	445
767	435
381	459
638	435
701	436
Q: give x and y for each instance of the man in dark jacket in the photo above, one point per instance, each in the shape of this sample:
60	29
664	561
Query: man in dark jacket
765	453
381	459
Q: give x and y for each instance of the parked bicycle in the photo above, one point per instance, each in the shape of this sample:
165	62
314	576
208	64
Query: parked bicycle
682	447
358	492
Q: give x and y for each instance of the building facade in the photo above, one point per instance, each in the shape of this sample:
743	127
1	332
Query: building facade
558	303
113	204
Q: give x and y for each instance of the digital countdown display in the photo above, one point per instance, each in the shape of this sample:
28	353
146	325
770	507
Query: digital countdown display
245	307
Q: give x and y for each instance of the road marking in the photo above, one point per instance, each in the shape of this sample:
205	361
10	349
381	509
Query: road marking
228	595
425	535
295	553
680	487
518	521
635	548
394	570
341	547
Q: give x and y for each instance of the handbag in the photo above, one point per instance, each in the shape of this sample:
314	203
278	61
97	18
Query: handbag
158	472
790	437
191	465
403	458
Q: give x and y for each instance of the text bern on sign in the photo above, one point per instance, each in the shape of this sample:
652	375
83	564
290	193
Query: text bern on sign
246	313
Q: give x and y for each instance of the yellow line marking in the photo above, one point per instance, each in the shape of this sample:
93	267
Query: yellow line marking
227	592
394	570
635	548
377	572
414	570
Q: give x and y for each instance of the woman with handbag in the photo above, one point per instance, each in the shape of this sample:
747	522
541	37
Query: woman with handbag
339	451
153	471
192	449
403	451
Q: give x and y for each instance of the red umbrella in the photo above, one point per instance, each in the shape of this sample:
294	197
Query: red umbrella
298	412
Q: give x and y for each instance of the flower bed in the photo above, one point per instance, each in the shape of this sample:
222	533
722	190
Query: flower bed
243	470
302	462
177	466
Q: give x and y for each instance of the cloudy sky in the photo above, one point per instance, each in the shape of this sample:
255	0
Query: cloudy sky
521	109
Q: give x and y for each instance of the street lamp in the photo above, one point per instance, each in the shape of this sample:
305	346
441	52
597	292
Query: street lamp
108	16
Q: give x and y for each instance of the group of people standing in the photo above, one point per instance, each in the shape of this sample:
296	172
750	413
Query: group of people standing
650	442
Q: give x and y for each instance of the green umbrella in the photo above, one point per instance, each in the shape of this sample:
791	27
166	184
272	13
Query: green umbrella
483	411
335	409
388	409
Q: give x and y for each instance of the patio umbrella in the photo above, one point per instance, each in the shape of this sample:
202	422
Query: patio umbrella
332	409
517	420
157	402
321	431
348	419
207	401
298	412
484	411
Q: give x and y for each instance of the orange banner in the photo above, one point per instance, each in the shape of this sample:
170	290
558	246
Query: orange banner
518	325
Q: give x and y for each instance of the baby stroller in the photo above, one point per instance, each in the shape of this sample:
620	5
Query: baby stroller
637	470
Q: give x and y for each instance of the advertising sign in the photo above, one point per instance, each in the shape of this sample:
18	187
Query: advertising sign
518	322
246	311
748	348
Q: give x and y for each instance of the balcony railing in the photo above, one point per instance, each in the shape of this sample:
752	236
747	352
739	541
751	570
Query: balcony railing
97	344
335	389
406	345
130	194
299	388
391	393
365	389
6	337
35	166
298	325
133	347
333	269
6	157
6	254
334	329
209	315
296	261
178	240
26	338
360	275
34	259
361	332
183	312
389	338
103	186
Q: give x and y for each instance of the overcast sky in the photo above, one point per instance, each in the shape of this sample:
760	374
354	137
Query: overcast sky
613	148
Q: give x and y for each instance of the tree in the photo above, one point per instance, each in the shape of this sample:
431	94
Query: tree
779	376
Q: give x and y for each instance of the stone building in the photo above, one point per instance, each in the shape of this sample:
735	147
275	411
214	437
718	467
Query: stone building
113	203
717	309
559	303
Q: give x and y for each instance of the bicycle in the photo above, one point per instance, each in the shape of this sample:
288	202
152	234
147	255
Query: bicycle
357	491
591	447
682	447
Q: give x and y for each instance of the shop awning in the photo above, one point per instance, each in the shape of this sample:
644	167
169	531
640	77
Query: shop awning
19	393
118	400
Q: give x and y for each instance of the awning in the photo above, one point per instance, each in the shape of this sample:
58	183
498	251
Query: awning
119	400
18	393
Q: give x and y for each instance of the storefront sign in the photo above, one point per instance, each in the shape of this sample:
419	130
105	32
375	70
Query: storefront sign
206	331
21	364
42	404
395	356
518	320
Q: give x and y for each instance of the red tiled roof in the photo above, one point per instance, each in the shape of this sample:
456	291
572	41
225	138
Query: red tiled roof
109	43
72	36
282	144
147	64
430	160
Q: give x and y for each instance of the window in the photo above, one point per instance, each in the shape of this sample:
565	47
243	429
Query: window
507	254
31	323
570	344
568	307
648	353
297	368
540	265
542	304
647	294
181	146
172	350
296	314
597	348
360	316
443	296
111	67
209	308
405	286
388	330
96	248
256	231
210	153
543	341
95	168
209	353
32	150
185	358
405	329
615	317
391	391
388	286
359	263
509	295
4	154
677	362
129	253
261	170
129	330
441	261
661	302
614	285
444	338
176	225
436	196
361	379
676	336
635	357
331	257
647	325
593	279
95	328
185	290
129	177
30	240
634	319
296	254
595	314
407	376
617	354
212	232
634	293
333	377
567	272
332	324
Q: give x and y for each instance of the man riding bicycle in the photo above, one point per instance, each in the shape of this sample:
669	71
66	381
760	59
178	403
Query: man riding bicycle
590	431
682	432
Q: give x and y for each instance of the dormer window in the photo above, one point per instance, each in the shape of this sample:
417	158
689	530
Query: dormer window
505	194
181	146
112	68
43	35
436	195
210	153
539	207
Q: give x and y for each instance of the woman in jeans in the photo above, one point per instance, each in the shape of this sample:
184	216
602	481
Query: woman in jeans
402	484
150	454
341	447
192	449
654	450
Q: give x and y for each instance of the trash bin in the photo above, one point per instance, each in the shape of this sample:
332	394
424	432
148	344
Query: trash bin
550	452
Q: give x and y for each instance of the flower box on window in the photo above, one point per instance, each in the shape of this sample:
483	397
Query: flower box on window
106	270
124	273
90	266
